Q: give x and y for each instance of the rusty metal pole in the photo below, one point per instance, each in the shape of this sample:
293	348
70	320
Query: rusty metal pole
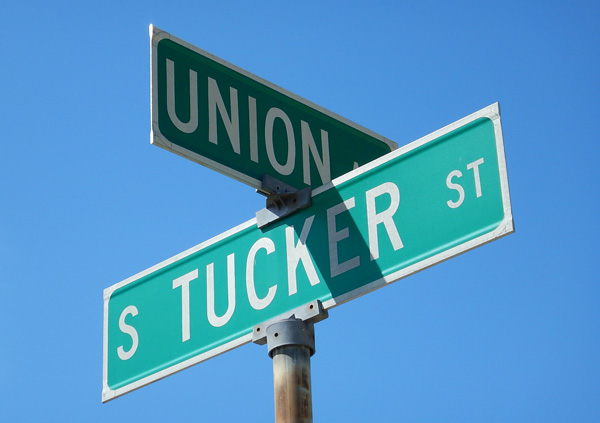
291	344
291	382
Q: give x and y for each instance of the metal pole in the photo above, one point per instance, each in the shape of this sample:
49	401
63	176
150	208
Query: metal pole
291	344
291	382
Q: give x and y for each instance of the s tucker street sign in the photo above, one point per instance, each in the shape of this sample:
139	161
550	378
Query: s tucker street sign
424	203
236	123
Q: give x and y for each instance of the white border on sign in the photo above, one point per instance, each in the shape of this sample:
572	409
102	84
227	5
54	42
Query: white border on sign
506	227
157	138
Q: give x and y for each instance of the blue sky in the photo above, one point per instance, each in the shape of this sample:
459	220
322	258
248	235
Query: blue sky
506	332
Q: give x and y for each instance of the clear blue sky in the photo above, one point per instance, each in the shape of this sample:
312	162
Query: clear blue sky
509	332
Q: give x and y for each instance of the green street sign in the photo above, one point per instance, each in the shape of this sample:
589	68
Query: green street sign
422	204
236	123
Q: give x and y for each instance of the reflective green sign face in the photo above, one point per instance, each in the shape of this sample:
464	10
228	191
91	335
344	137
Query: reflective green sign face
422	204
225	118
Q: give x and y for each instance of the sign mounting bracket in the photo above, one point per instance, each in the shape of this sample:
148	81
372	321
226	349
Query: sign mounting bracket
310	313
282	200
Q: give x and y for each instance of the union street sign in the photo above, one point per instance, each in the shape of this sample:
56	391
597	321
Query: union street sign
236	123
424	203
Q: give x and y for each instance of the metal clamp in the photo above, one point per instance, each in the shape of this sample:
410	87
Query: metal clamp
282	200
293	328
291	332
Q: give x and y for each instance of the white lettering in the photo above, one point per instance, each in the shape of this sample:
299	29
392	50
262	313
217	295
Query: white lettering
461	192
475	166
232	123
308	144
252	127
385	217
457	187
258	303
129	330
297	253
288	167
336	236
192	124
213	319
184	283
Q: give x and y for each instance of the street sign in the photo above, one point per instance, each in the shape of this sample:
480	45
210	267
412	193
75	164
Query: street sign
223	117
422	204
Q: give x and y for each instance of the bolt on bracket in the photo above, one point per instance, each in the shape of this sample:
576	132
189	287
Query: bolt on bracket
292	328
282	200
